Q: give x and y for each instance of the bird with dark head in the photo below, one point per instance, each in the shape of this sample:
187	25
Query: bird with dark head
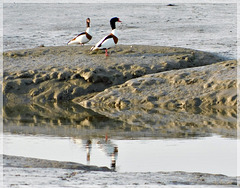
110	40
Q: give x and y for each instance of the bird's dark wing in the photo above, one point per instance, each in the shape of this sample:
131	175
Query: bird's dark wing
115	39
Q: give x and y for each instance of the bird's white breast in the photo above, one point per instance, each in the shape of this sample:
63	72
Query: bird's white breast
88	30
114	32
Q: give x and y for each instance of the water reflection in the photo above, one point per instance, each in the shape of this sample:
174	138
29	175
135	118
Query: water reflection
145	155
109	148
72	120
88	147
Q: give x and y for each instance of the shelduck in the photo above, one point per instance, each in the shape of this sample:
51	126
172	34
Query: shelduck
110	40
83	37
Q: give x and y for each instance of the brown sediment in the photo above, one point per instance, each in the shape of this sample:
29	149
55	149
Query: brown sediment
27	162
202	99
183	91
212	86
23	169
72	120
64	73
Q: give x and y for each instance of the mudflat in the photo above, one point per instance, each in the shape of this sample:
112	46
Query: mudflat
185	90
25	171
64	73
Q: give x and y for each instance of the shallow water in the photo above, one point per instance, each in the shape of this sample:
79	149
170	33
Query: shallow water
145	155
68	132
72	120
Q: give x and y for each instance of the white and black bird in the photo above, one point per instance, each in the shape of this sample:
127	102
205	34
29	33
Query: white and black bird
110	40
83	37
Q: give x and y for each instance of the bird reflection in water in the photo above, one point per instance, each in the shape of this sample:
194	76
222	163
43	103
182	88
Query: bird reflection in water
106	145
87	145
114	158
110	149
88	148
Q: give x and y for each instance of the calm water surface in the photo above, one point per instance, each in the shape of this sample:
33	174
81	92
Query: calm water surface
68	132
208	155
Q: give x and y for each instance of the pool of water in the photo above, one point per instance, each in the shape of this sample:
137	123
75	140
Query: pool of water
213	154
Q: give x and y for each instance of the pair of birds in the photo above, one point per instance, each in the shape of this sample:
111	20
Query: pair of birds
105	43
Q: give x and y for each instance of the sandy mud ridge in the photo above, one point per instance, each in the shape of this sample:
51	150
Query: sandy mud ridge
65	73
172	92
212	86
188	100
26	162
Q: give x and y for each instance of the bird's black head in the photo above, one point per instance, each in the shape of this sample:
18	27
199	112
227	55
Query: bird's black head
113	21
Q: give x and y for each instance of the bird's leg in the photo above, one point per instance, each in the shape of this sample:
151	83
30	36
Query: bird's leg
106	137
106	53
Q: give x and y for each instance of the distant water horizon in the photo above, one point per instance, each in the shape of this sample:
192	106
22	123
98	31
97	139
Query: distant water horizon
124	1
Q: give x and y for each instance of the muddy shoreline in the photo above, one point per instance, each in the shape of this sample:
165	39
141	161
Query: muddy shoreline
146	92
65	73
185	91
45	172
157	91
26	162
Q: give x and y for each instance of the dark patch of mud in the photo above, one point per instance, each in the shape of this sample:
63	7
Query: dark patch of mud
26	162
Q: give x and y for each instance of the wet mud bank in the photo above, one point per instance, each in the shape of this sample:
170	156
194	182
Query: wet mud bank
202	98
29	172
26	162
65	73
72	120
165	90
139	91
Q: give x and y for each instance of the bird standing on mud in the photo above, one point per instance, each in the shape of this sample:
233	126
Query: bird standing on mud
83	37
110	40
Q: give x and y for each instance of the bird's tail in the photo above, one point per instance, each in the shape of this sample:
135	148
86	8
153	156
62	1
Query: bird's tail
93	48
73	41
69	42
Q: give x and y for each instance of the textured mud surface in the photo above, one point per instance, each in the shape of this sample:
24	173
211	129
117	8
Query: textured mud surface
159	90
38	81
23	162
64	73
188	100
20	171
